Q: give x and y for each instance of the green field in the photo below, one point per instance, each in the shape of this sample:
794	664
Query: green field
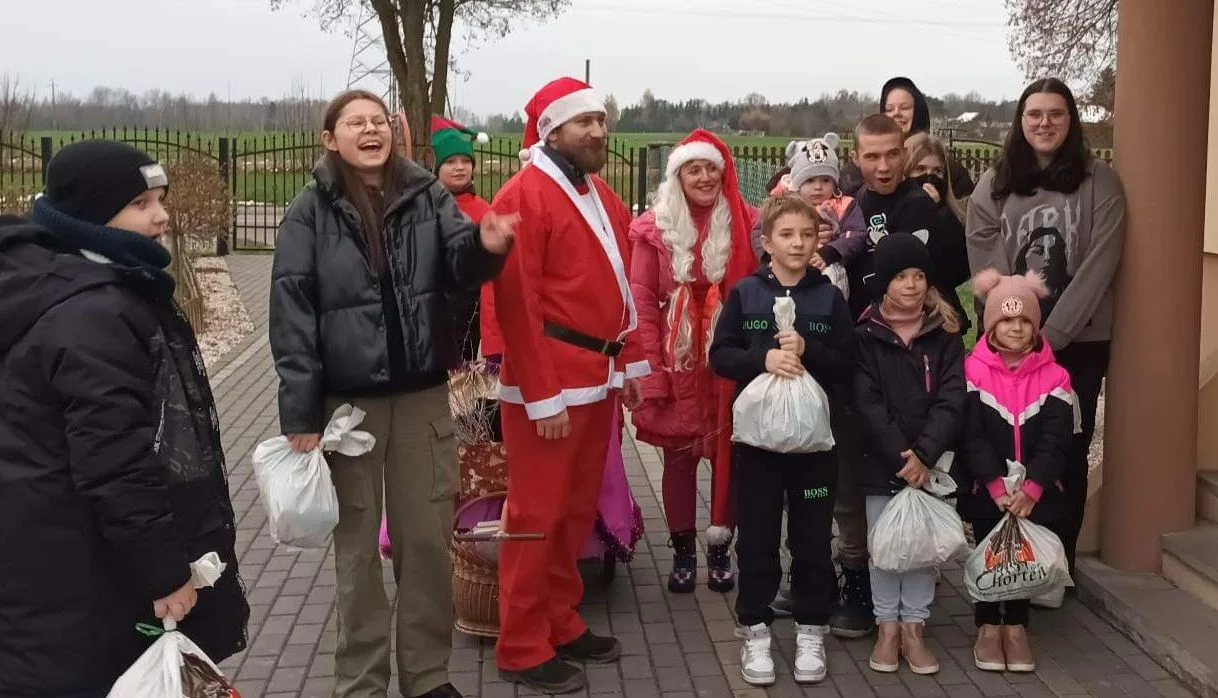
271	167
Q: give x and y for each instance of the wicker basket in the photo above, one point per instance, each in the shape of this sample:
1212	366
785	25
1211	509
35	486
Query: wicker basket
475	582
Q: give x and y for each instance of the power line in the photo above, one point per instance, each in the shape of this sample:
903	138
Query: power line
729	14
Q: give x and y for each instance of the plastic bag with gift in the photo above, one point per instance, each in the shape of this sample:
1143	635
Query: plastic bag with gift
917	529
301	504
783	415
174	666
1018	559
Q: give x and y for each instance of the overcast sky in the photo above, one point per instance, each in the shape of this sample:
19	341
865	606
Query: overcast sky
713	49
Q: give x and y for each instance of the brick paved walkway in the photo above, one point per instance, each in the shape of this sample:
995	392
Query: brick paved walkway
676	646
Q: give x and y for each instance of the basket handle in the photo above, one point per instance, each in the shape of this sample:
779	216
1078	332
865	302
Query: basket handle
470	504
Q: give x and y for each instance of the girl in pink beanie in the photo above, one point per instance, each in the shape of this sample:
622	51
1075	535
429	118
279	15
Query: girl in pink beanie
1020	408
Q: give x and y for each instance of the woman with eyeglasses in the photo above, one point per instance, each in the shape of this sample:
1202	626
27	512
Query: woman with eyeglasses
365	259
1048	205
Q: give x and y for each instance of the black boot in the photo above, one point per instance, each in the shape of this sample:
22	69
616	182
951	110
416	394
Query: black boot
684	563
553	677
855	616
720	576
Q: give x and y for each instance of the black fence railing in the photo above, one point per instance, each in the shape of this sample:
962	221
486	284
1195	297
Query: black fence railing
265	171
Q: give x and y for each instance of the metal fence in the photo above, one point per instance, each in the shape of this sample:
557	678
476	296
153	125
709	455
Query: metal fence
265	171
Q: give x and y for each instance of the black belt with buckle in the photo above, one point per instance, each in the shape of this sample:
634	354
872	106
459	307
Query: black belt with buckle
583	341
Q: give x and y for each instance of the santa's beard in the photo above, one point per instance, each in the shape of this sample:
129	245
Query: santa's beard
588	157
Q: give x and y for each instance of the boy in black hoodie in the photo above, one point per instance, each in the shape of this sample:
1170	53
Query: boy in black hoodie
112	476
746	346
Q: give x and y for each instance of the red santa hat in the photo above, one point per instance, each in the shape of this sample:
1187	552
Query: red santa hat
554	105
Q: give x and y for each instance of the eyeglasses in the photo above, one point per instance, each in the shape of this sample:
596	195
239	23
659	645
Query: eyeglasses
359	123
1055	116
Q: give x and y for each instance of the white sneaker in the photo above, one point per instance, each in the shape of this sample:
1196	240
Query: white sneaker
1053	599
756	664
810	664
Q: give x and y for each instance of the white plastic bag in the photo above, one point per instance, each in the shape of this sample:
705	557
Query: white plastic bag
917	530
1018	559
174	666
301	504
783	415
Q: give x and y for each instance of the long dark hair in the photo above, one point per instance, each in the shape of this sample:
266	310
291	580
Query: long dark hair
371	208
1018	172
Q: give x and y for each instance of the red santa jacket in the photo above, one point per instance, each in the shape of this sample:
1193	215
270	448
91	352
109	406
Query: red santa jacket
568	267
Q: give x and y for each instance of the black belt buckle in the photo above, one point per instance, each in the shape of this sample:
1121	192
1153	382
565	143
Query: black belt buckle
612	349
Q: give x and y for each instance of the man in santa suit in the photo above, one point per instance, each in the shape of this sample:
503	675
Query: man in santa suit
566	314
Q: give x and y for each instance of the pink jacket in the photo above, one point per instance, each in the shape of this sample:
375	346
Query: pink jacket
1026	414
679	407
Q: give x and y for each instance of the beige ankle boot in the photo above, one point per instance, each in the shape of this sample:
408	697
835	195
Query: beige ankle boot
987	653
1017	649
886	657
919	657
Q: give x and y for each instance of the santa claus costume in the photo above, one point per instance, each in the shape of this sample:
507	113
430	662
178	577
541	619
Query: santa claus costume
566	316
686	259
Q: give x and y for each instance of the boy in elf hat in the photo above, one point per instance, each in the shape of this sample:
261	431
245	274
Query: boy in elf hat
475	311
112	474
1012	372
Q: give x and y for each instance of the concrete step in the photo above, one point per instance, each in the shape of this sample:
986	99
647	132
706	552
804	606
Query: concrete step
1207	496
1171	625
1190	561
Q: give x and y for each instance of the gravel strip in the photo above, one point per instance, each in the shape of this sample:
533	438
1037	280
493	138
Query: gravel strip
225	319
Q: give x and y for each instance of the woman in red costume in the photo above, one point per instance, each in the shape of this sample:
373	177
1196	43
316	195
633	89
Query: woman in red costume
688	252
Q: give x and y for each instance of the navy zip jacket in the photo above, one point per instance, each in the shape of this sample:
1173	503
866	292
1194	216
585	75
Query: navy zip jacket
746	329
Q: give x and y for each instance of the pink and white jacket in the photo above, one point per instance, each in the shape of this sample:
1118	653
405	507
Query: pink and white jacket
1027	414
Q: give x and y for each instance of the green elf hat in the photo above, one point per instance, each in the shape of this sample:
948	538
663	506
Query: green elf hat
450	138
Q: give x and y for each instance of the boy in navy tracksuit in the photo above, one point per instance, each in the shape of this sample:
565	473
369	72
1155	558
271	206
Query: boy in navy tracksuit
745	346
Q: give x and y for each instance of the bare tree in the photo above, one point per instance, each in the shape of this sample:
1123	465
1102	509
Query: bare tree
15	104
418	38
612	112
1071	39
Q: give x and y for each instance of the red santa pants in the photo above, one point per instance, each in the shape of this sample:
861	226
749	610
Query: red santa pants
553	487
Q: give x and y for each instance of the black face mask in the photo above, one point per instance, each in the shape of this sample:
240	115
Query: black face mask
935	181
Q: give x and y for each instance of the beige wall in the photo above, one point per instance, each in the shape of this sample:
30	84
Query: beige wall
1207	408
1211	172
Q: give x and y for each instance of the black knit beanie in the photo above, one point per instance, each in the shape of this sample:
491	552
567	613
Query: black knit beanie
895	253
93	180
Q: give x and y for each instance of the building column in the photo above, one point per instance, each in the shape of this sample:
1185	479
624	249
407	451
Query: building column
1162	117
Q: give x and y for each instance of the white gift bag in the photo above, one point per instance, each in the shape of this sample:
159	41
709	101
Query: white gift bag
301	504
1018	559
174	666
917	529
783	415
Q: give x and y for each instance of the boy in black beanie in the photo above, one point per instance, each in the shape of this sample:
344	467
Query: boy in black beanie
112	475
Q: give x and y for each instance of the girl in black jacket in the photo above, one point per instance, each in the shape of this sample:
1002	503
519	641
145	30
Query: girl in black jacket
367	256
909	394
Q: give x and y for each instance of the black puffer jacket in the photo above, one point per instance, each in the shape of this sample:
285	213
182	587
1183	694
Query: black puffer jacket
112	477
328	318
906	397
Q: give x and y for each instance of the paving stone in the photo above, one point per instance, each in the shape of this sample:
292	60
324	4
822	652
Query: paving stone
674	646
